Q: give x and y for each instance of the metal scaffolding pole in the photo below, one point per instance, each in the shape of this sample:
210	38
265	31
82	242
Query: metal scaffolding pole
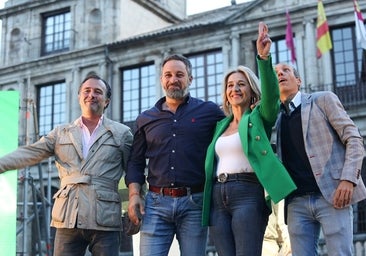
39	208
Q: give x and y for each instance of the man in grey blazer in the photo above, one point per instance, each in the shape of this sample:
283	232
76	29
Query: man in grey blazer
323	151
90	155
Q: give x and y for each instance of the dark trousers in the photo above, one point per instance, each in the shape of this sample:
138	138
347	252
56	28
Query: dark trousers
73	242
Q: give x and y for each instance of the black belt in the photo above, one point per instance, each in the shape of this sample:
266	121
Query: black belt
176	191
300	194
226	177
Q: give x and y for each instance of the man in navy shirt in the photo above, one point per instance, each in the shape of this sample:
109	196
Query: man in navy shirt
173	136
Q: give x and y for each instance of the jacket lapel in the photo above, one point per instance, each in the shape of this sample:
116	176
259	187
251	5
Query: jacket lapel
221	127
210	156
305	113
76	139
243	132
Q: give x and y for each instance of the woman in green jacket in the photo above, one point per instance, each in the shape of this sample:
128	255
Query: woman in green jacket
242	171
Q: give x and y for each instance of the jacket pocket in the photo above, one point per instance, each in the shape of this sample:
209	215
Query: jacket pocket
60	205
108	209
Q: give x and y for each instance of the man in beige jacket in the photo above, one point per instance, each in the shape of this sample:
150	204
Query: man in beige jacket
90	155
276	238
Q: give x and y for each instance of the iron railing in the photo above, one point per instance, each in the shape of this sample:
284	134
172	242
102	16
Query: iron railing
351	93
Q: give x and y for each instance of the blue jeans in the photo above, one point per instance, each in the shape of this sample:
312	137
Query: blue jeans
167	216
307	214
73	242
239	218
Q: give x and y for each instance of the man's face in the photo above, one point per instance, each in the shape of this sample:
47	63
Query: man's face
287	81
92	97
175	79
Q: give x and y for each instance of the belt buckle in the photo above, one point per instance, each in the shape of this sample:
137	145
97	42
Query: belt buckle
222	178
178	192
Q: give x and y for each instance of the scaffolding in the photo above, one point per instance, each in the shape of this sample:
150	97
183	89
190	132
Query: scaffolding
35	206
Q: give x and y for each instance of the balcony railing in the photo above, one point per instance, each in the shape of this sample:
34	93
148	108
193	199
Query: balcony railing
350	93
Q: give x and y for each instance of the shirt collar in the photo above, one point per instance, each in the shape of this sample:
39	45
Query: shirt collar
292	105
99	122
159	103
297	99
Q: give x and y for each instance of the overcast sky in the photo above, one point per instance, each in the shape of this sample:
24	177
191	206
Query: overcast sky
193	6
196	6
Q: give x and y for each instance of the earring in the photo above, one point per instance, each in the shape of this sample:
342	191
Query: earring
252	100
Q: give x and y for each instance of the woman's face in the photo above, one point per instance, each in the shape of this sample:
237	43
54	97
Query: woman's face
238	91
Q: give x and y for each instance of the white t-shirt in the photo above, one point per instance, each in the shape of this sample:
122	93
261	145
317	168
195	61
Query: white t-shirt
231	157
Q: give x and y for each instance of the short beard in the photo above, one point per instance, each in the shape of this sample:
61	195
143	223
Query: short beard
177	94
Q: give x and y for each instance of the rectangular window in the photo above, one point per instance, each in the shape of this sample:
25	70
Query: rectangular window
138	91
207	71
279	51
56	30
51	106
345	57
349	66
348	57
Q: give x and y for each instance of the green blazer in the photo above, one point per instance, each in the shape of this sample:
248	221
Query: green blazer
255	130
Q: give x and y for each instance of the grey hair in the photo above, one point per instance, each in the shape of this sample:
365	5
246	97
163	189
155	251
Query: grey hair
296	72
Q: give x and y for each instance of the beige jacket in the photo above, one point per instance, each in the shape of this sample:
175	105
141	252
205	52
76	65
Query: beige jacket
276	237
88	196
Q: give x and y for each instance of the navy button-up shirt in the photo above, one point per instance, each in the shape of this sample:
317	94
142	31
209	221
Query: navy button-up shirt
173	145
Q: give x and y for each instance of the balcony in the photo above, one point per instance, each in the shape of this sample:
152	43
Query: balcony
351	94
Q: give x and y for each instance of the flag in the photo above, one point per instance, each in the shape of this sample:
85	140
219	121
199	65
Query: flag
289	38
360	27
323	41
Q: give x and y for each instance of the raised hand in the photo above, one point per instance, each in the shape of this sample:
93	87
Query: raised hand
264	41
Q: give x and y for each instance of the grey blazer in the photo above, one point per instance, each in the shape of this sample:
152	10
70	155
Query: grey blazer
332	142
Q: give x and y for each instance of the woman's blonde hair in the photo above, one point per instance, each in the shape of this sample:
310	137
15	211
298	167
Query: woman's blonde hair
253	82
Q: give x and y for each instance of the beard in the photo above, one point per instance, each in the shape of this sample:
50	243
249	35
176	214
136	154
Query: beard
176	93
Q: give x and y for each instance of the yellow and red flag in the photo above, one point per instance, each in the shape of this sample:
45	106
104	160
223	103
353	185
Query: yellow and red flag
323	41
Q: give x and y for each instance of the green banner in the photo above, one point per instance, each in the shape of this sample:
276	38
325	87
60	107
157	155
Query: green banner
9	112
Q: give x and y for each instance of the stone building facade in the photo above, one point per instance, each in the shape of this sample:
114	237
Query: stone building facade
49	46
